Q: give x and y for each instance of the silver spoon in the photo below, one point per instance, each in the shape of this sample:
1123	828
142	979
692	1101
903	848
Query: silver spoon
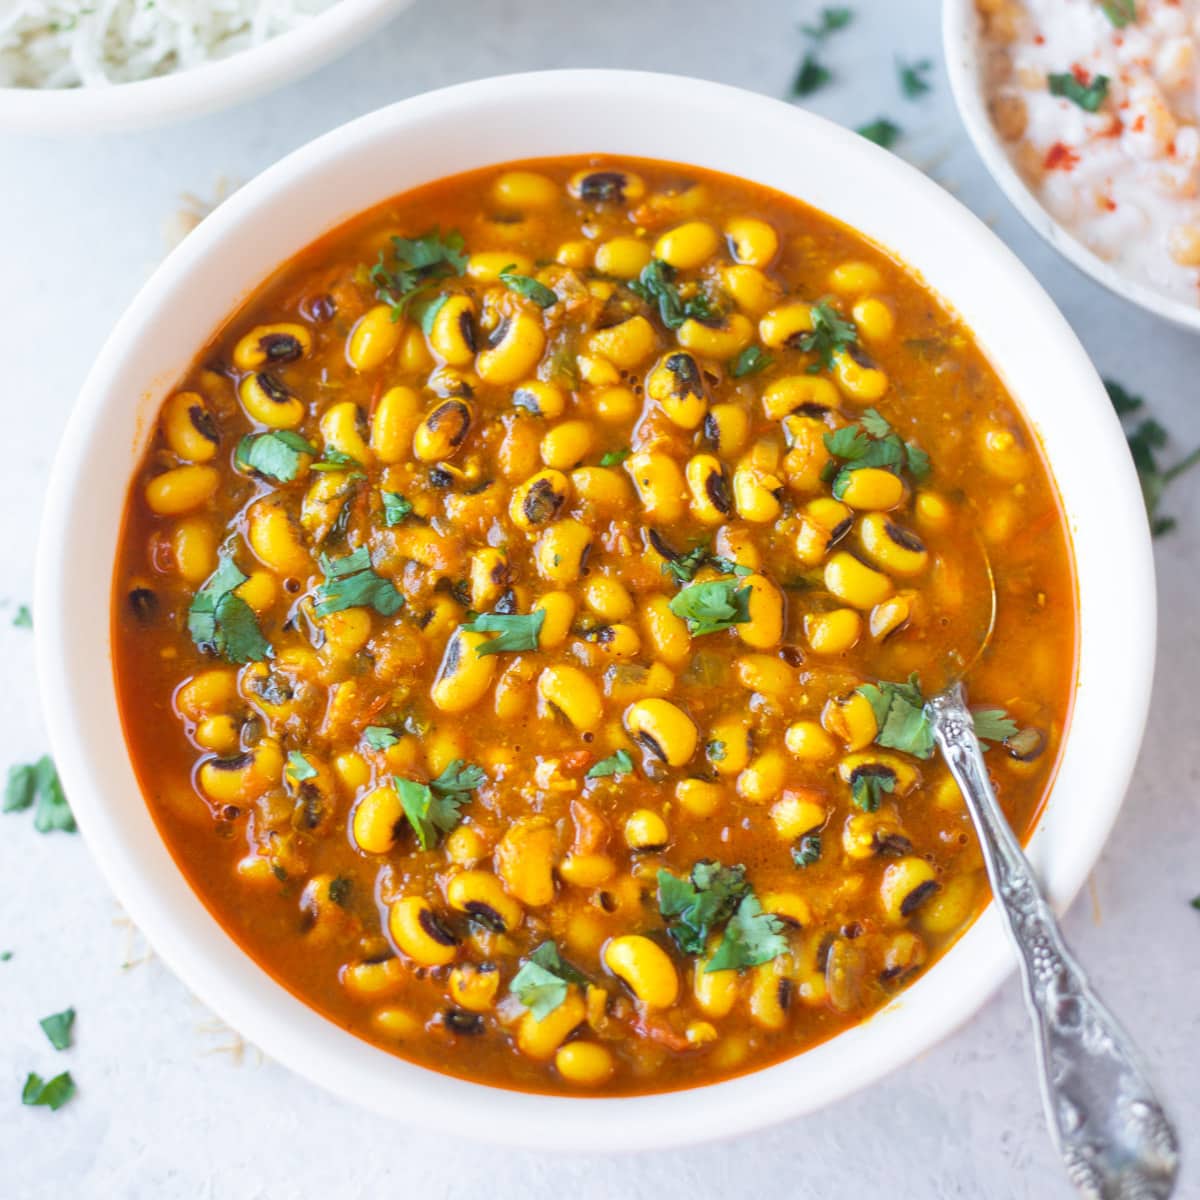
1108	1125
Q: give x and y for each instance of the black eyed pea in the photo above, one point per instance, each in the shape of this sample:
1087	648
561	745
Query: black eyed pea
676	385
645	830
751	290
271	345
397	1024
770	995
726	428
371	980
805	395
524	860
874	319
765	606
346	633
698	797
869	488
664	729
850	718
728	746
396	418
833	632
946	911
344	428
724	338
323	503
789	907
244	777
607	598
625	345
220	734
709	485
441	434
559	608
567	444
452	334
784	325
905	954
823	522
857	376
618	641
452	383
374	338
762	780
892	547
687	246
515	347
474	987
541	1039
866	835
645	968
797	812
486	266
906	885
464	675
482	897
520	190
765	674
738	544
855	583
275	538
892	615
420	934
807	741
586	1064
489	576
539	500
902	774
622	257
571	692
268	402
606	186
853	278
667	633
756	494
377	821
544	400
1002	453
660	485
562	550
181	490
715	992
751	241
194	548
189	428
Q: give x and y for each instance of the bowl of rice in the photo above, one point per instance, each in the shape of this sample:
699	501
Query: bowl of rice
89	66
1086	112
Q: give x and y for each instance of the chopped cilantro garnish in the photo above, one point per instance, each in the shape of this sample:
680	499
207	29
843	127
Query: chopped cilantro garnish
21	787
1195	903
6	955
871	442
830	333
832	19
880	131
656	285
395	508
432	808
333	459
299	768
869	783
694	906
1089	96
515	631
415	263
51	1094
1119	12
39	781
752	937
683	567
912	77
614	458
531	289
340	888
615	764
277	455
808	850
57	1027
811	75
380	737
713	606
715	750
1145	440
350	583
751	360
543	981
221	622
23	618
993	725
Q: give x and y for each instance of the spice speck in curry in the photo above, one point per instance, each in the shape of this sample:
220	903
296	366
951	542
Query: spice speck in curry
524	611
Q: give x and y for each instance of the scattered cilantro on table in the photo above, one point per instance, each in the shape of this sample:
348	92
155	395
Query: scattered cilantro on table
57	1027
23	618
913	81
881	131
51	1093
30	783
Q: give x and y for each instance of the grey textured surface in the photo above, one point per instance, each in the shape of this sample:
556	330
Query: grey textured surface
170	1104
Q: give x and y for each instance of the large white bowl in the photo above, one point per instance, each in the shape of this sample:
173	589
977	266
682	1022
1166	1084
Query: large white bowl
572	112
202	89
962	43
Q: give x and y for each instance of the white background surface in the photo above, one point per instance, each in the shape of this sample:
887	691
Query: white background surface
171	1103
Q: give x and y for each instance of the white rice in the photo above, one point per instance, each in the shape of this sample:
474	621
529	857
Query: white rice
92	43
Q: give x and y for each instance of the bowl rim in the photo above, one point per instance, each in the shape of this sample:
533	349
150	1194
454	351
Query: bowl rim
173	918
210	86
961	49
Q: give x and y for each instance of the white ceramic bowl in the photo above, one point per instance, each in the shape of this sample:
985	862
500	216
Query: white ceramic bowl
202	89
572	112
962	43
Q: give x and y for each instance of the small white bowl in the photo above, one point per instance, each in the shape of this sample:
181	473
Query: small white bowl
562	113
191	93
961	41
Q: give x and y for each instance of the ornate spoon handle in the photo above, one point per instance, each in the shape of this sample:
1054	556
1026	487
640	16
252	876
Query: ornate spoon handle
1105	1119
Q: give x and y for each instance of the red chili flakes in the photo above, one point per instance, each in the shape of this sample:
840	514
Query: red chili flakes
1038	40
1060	158
1139	124
1082	74
1113	129
1108	204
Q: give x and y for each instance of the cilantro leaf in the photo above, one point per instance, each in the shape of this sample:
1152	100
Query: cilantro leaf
53	813
1119	12
51	1094
21	787
333	459
871	442
881	131
57	1027
22	618
830	333
713	606
1089	96
656	285
614	458
299	768
1124	401
685	566
221	622
868	784
415	264
751	937
277	455
615	764
808	851
832	19
459	778
531	289
543	981
751	360
516	631
993	725
811	75
433	808
395	508
912	77
899	710
340	888
692	907
350	582
380	737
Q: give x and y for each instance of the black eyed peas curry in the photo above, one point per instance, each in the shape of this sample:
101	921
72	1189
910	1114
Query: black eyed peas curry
524	609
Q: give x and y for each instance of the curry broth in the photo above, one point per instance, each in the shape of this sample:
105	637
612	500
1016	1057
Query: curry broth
284	873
